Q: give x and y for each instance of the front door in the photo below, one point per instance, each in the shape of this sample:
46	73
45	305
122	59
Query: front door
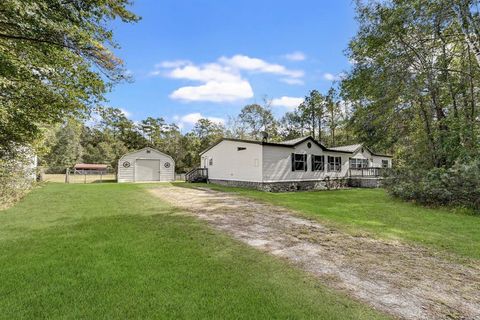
147	170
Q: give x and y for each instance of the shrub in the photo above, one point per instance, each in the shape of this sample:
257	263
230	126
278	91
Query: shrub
16	178
455	186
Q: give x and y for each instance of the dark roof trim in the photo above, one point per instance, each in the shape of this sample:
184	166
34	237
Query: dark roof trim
275	144
375	154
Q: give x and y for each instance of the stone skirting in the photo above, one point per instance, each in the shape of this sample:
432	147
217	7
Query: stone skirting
365	182
286	186
289	186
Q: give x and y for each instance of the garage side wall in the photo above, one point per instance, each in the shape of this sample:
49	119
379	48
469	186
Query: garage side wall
234	160
127	174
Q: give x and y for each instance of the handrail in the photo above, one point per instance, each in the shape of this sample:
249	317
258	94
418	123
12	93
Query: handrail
366	172
197	174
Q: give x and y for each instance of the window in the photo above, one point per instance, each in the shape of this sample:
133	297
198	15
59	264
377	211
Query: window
241	148
358	163
318	163
299	162
210	162
334	163
309	145
384	163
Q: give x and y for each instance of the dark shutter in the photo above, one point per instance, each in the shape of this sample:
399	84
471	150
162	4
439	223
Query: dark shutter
293	161
313	162
305	161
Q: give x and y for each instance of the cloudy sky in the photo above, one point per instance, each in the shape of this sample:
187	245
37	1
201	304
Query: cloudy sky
208	58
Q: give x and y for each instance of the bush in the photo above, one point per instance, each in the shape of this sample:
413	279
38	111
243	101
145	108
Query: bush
16	178
455	186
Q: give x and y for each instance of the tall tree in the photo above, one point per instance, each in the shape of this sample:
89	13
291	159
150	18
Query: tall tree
256	119
414	83
292	125
56	60
333	114
312	111
208	132
65	147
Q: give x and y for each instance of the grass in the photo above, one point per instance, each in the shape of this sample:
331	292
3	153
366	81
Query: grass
113	251
374	212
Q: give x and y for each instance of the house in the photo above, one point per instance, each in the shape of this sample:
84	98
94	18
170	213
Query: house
145	165
298	164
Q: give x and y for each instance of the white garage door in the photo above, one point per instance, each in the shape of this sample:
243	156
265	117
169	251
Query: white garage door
147	170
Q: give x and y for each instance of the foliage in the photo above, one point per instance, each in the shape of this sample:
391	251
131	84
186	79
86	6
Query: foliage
256	119
324	117
312	113
414	83
114	251
455	186
66	149
16	176
414	90
56	60
373	211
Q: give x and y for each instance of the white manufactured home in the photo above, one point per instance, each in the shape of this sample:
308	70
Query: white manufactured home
296	164
146	165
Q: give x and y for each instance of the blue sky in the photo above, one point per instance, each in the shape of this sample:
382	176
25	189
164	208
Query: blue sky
209	58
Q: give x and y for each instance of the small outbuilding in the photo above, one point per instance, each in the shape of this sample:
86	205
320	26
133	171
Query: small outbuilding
146	165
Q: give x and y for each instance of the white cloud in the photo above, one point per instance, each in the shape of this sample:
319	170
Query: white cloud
295	56
208	72
333	77
292	81
254	64
288	102
126	113
192	118
172	64
221	81
215	91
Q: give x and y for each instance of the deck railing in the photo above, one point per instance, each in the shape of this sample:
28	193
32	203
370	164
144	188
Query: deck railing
197	175
366	172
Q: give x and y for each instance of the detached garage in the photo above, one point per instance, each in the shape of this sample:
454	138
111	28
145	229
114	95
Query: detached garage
146	165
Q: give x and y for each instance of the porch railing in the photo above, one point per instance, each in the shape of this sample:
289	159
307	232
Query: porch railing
366	172
197	175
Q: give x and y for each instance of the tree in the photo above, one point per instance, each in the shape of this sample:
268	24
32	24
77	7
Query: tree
122	128
292	125
414	84
256	119
208	132
66	148
312	112
333	114
56	61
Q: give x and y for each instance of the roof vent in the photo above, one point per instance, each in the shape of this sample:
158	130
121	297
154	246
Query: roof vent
264	136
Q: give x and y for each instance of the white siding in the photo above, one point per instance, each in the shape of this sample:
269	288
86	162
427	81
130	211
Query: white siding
228	163
377	161
277	163
373	161
128	174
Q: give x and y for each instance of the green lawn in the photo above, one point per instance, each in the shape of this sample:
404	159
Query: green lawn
113	251
372	211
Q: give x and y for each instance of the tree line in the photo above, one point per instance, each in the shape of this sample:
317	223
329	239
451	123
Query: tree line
414	87
113	134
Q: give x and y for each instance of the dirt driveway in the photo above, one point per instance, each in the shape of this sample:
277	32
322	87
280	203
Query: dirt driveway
405	281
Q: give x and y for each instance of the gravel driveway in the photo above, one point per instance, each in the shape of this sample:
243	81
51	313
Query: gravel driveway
405	281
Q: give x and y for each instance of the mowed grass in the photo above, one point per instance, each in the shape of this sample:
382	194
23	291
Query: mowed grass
113	251
373	211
